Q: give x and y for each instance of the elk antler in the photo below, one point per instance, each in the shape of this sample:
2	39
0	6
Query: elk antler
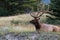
36	14
39	13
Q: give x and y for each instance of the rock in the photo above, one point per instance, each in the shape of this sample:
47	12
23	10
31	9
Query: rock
30	36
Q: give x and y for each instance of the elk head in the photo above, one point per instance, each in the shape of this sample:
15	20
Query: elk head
38	14
35	21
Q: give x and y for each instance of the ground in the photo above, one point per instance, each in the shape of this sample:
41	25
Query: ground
18	28
30	36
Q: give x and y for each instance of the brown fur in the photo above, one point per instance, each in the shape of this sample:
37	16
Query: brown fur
45	27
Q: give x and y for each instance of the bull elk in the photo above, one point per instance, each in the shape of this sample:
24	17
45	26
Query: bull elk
43	26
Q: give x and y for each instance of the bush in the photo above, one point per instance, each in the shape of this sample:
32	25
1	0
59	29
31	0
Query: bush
50	21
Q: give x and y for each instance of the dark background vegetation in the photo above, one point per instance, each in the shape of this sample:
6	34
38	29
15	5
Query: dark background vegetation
11	7
14	7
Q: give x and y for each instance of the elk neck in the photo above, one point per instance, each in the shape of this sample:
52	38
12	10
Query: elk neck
37	24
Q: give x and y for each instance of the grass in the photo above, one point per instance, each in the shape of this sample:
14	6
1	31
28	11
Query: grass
19	18
19	23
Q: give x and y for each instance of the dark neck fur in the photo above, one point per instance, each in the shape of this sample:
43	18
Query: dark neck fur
37	25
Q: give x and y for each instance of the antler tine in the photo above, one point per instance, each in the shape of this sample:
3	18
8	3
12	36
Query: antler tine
34	15
41	12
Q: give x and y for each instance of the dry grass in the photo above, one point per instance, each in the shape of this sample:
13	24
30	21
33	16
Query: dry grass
22	26
23	23
7	20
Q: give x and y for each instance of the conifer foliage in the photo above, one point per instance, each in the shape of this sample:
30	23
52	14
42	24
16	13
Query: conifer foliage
55	6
